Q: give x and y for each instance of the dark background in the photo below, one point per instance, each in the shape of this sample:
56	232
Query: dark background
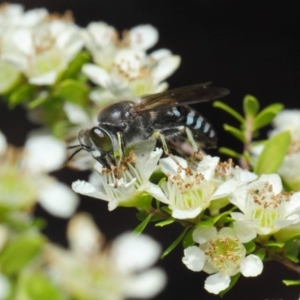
249	47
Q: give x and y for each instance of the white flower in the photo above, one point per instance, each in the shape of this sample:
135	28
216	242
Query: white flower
13	15
226	171
132	182
4	287
265	206
116	272
122	66
3	143
287	120
24	179
221	254
42	52
188	192
290	169
142	37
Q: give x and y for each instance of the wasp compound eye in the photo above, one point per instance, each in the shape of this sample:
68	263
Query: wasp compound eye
101	139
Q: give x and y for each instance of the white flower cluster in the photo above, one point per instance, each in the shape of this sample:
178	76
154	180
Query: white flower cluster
290	169
122	67
36	44
286	120
116	272
40	46
189	190
24	179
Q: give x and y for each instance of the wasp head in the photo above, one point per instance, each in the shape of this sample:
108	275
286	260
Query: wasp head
99	143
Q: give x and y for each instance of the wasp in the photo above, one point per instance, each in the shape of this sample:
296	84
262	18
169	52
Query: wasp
164	116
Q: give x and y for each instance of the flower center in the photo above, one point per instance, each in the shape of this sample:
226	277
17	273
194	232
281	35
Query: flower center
294	146
190	190
16	187
264	206
224	254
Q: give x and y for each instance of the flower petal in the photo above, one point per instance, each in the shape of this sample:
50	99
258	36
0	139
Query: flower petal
85	188
274	180
143	37
4	287
165	68
44	153
76	114
194	258
3	143
244	232
44	79
131	253
202	235
225	189
207	166
216	283
156	192
58	199
183	214
96	74
146	284
293	205
169	166
83	235
251	266
22	38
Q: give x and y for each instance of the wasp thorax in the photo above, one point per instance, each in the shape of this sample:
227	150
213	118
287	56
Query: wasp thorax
101	139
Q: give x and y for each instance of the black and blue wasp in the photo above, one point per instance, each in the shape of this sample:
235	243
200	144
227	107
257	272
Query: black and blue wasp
164	116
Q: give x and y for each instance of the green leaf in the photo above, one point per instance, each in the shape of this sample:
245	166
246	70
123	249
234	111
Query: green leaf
73	91
188	239
140	228
211	221
166	209
21	94
274	244
37	286
207	223
229	110
20	252
291	250
291	282
229	152
292	258
165	222
261	253
61	128
250	247
251	106
174	244
266	116
75	65
38	101
235	132
273	153
141	216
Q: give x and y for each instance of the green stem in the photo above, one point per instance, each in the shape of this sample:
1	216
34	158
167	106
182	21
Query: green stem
244	162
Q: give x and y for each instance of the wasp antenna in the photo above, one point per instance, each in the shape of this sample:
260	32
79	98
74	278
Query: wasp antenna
74	146
73	154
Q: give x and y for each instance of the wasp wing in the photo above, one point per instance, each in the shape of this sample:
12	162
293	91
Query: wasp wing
181	96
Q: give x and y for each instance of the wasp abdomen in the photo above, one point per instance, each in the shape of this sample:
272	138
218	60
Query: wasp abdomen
201	128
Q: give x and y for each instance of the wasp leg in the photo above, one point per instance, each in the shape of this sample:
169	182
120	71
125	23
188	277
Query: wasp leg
119	152
158	135
167	133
